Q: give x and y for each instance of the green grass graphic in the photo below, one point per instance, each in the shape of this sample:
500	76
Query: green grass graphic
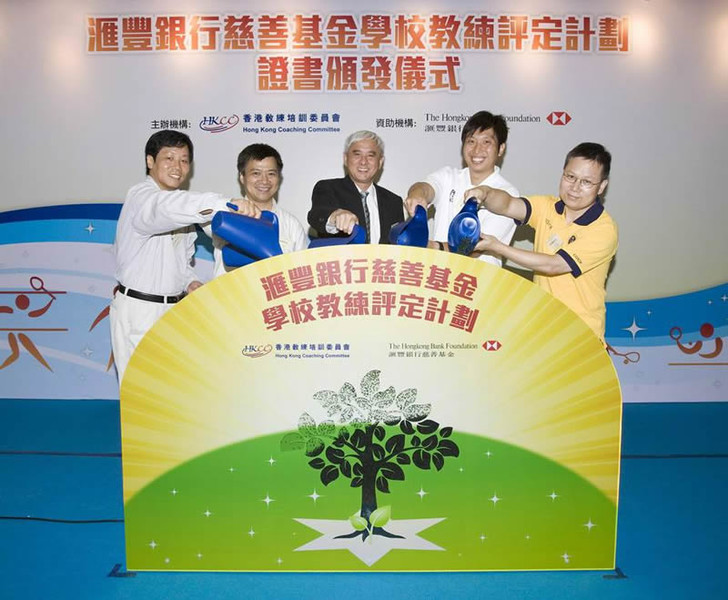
210	513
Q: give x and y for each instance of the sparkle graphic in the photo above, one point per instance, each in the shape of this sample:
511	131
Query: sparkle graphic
724	297
166	560
90	228
422	493
174	492
589	525
566	557
199	555
231	469
271	461
87	352
483	537
634	328
267	500
207	513
251	533
553	496
153	544
376	546
495	499
488	453
314	496
280	560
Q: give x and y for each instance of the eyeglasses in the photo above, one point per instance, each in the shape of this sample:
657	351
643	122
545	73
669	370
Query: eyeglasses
584	184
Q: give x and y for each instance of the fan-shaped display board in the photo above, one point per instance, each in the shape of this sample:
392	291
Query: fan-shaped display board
370	408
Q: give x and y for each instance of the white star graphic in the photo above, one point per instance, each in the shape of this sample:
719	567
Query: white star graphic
271	461
267	500
153	544
376	546
566	557
553	496
483	537
87	352
589	525
314	496
251	533
724	297
90	228
231	469
174	492
488	453
634	328
495	499
166	560
422	493
207	513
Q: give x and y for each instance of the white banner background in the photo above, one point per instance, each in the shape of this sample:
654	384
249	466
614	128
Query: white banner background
75	122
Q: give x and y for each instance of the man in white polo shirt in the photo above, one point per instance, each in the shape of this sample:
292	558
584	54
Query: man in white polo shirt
483	139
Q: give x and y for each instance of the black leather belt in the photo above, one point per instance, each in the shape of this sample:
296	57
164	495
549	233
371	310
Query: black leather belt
150	297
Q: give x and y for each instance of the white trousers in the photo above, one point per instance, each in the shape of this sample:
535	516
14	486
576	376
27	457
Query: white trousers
130	320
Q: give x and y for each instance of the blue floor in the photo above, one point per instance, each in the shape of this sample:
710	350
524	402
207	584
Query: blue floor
62	532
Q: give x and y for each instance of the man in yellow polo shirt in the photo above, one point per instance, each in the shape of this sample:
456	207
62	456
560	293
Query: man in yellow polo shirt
575	238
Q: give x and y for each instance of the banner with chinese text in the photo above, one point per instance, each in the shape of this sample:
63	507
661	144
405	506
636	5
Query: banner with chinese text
301	78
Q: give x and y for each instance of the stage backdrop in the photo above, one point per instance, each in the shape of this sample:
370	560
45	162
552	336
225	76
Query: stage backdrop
88	82
370	408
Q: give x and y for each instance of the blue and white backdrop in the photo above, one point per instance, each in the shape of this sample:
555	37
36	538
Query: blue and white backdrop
86	83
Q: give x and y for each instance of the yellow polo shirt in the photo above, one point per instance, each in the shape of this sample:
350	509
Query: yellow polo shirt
587	245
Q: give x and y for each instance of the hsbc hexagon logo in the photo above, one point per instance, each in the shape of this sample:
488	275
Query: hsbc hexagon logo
559	117
492	345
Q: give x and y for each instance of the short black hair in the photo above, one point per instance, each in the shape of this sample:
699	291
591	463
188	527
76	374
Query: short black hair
592	151
483	120
167	138
258	152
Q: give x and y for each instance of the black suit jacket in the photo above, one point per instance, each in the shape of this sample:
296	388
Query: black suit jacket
331	194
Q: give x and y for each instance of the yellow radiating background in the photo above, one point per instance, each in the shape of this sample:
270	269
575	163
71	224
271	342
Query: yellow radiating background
551	388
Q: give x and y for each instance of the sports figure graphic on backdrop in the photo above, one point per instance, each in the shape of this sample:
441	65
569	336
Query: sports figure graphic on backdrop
23	302
259	174
339	204
575	237
483	141
155	242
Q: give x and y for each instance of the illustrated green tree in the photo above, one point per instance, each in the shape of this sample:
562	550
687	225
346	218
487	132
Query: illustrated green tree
369	437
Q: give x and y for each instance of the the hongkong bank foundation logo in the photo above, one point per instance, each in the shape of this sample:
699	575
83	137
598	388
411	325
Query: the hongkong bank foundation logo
559	117
256	351
219	124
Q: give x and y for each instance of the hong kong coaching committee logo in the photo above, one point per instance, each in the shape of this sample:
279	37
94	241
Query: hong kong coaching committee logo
559	117
219	124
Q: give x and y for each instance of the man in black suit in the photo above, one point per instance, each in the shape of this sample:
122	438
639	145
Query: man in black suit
339	204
